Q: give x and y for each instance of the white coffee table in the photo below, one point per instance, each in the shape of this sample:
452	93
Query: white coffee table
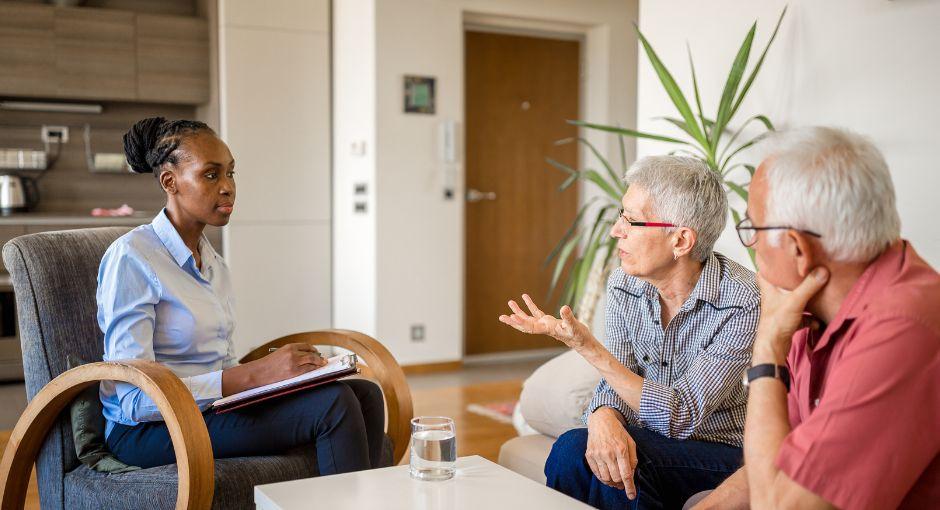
478	485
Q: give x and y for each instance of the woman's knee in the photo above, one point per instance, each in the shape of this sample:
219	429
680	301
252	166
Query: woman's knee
568	451
339	394
368	392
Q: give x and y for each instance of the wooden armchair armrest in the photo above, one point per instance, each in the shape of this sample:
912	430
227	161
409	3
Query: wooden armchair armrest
380	366
187	428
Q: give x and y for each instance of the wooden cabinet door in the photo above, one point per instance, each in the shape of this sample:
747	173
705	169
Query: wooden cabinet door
172	59
94	54
27	63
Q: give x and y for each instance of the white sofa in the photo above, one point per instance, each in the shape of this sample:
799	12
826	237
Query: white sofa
553	399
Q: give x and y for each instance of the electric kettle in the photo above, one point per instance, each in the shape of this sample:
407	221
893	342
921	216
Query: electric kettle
17	194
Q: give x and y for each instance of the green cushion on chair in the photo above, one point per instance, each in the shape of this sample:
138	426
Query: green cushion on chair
88	427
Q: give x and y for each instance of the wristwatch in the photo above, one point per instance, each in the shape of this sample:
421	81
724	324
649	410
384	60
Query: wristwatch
768	370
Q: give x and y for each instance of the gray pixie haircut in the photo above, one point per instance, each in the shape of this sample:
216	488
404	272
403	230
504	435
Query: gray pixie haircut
835	183
685	192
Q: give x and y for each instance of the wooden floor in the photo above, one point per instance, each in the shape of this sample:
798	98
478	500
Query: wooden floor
476	434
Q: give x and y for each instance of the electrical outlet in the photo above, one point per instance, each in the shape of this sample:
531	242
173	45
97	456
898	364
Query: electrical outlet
417	332
55	133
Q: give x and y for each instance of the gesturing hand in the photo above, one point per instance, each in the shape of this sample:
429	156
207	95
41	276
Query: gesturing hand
569	330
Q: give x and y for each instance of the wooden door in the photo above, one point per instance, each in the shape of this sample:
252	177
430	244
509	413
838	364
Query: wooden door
519	93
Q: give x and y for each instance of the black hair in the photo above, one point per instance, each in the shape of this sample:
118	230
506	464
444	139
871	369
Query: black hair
152	142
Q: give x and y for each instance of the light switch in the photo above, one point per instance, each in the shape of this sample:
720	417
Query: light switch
358	148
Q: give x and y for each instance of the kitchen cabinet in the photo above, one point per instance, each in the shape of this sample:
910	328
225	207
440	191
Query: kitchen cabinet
172	59
94	54
27	49
102	54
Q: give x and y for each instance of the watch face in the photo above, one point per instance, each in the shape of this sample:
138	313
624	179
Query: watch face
744	380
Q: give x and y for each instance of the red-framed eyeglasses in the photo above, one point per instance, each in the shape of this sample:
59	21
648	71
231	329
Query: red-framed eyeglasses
644	223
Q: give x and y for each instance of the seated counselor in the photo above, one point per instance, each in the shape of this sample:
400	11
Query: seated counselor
667	419
165	295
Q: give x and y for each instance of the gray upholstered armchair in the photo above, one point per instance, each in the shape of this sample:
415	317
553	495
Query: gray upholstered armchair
54	278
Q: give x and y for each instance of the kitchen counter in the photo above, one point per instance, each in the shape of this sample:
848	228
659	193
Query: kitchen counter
77	219
19	224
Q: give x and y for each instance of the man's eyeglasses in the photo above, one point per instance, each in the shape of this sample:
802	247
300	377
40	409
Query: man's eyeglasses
747	232
643	223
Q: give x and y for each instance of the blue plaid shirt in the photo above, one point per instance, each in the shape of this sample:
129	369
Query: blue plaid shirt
691	370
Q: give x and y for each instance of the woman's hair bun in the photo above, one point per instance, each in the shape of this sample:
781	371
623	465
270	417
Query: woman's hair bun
140	141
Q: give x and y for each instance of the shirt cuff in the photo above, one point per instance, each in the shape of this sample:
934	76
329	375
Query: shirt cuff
206	388
656	405
599	401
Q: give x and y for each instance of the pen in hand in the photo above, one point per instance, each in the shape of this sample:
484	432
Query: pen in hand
315	351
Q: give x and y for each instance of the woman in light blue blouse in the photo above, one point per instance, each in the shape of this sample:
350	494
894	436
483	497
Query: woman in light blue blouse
164	294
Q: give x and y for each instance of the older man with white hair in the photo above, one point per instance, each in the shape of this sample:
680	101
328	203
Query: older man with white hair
844	413
667	419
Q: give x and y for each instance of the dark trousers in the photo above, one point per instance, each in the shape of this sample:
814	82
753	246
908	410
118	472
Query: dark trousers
345	420
668	471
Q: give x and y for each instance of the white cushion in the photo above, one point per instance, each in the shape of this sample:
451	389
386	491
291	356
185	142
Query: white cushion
526	455
555	395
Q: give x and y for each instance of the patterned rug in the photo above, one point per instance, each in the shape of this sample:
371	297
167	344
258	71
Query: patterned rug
499	411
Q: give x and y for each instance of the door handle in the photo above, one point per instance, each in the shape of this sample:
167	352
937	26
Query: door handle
474	195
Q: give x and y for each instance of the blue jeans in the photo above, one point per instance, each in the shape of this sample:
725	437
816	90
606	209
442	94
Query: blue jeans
668	471
345	420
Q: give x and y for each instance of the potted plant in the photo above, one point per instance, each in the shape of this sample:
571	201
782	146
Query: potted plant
586	248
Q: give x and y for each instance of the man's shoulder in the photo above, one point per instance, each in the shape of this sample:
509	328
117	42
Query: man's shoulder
906	292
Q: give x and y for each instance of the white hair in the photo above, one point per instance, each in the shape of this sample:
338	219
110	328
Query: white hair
684	192
834	183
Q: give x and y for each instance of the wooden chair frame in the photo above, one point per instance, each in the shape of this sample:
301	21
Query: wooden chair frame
380	367
195	463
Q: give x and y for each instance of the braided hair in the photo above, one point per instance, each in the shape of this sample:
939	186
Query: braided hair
152	142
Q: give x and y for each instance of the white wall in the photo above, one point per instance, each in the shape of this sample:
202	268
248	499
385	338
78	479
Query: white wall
274	89
869	65
354	239
419	236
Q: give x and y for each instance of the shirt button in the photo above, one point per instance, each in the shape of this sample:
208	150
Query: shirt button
816	403
665	364
646	358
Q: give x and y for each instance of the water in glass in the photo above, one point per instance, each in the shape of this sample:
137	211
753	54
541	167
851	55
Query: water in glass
433	448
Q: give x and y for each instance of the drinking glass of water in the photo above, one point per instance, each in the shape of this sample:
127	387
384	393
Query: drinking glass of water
433	448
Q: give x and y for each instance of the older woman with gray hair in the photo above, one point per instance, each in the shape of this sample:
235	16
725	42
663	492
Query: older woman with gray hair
667	419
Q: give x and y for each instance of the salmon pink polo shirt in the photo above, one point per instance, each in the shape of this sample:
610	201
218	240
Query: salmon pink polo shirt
864	405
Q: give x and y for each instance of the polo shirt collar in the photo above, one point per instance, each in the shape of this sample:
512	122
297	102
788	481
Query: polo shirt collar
854	303
171	239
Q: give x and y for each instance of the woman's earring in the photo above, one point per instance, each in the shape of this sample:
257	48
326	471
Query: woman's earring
675	256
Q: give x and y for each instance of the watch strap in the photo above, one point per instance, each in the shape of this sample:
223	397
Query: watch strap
769	370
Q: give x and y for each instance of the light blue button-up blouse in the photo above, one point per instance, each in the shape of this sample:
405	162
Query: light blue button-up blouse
155	304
